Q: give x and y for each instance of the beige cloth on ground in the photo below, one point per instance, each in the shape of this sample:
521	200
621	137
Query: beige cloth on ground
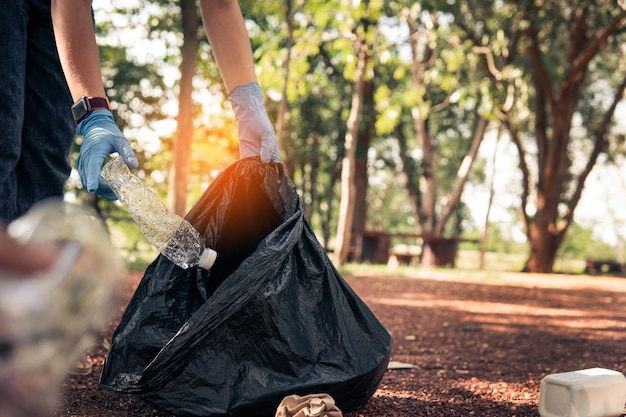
312	405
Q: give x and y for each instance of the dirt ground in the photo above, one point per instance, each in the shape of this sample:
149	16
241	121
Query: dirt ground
479	345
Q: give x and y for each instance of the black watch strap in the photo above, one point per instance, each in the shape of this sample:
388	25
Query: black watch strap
85	105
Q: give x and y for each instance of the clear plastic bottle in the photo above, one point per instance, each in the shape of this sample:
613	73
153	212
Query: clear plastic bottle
169	233
50	318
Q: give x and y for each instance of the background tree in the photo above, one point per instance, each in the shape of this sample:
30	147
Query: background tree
432	103
179	171
564	50
364	19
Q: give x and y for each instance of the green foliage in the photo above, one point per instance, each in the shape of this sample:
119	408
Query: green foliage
131	244
388	205
500	240
580	243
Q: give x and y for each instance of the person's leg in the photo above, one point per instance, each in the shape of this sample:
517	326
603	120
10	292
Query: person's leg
14	22
48	129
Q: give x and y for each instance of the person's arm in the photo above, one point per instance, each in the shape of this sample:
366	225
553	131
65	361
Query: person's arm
22	259
78	52
226	30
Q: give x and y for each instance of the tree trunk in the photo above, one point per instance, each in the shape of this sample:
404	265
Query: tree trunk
283	107
543	249
335	175
428	180
461	178
361	177
179	171
409	170
491	177
314	162
348	166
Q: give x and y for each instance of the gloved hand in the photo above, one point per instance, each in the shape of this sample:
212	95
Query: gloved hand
256	133
102	137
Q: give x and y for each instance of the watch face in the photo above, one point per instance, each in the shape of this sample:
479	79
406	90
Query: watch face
80	109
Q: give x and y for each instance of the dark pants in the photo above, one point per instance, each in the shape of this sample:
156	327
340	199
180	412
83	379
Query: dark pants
36	125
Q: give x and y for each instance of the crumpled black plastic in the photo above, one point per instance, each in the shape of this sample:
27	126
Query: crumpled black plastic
272	318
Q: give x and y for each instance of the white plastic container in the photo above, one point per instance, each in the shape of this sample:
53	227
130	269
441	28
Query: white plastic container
594	392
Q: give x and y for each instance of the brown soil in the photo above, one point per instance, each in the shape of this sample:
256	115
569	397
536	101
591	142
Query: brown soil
480	346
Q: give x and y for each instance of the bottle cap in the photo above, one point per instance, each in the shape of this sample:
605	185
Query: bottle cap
207	258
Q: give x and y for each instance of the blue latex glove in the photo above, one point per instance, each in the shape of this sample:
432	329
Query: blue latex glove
102	137
256	133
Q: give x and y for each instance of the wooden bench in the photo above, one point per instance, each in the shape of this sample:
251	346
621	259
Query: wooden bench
604	267
404	255
396	258
376	247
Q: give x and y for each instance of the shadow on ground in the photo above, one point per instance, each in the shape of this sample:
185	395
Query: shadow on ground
479	347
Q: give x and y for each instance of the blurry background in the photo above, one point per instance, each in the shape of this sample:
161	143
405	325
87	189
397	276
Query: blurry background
497	125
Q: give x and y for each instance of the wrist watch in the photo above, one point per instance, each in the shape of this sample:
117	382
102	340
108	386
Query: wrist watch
85	105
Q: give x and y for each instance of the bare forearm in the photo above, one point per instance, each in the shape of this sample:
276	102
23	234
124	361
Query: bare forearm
78	51
229	41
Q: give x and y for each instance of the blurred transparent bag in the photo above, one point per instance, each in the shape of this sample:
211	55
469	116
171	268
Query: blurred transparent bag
48	320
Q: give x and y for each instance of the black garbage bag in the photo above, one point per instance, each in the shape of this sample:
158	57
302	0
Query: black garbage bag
272	317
